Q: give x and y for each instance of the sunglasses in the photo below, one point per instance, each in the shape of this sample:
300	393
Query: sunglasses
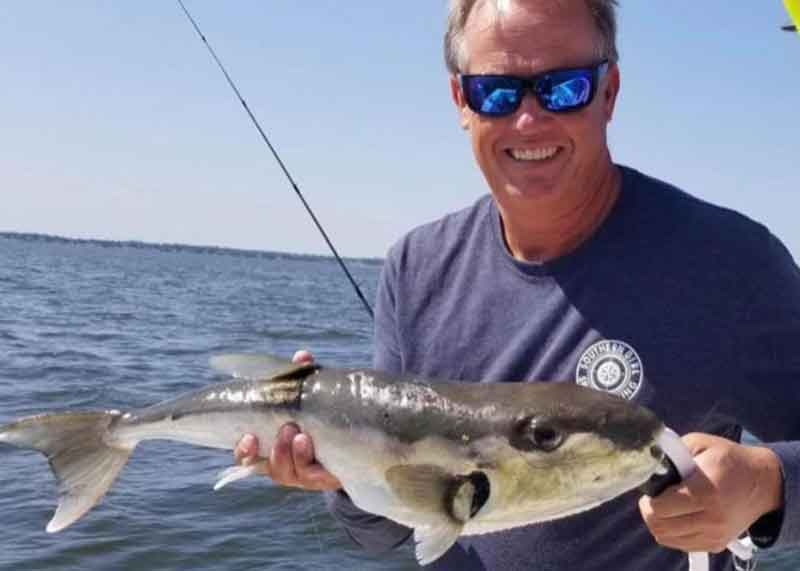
558	91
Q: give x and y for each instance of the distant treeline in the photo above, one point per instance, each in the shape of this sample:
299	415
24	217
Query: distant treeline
165	247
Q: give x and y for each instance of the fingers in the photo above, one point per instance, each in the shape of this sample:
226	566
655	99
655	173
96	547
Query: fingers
246	450
685	498
702	531
303	356
281	457
311	473
697	442
302	451
714	504
680	517
694	541
669	516
292	461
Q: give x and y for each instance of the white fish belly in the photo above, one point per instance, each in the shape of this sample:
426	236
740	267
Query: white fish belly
360	458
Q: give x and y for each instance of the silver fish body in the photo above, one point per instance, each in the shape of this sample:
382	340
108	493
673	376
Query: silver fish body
446	459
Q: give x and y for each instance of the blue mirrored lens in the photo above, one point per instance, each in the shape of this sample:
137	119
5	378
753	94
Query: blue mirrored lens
568	94
493	95
501	100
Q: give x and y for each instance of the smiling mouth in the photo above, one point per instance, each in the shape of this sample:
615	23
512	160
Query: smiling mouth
539	154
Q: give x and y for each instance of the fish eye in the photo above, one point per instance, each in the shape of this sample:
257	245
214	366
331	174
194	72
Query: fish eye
546	437
537	434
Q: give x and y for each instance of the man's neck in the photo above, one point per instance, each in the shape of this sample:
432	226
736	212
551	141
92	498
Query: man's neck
550	233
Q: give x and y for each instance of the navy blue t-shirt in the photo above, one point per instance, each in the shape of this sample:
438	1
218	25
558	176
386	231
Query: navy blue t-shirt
687	308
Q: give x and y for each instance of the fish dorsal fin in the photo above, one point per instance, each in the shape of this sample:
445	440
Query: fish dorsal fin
258	366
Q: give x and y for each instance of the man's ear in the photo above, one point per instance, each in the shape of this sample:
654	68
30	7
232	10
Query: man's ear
458	99
611	91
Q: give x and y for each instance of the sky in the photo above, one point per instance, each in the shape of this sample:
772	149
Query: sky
115	123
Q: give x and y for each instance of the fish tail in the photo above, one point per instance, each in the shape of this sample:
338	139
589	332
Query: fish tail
83	457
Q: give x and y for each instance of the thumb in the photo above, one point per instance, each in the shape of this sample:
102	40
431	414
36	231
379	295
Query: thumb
303	356
302	450
697	442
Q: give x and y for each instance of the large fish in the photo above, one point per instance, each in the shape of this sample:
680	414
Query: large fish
446	459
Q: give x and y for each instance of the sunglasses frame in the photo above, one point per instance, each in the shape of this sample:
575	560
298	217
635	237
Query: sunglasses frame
533	84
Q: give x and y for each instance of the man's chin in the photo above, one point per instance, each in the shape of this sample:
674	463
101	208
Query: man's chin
540	190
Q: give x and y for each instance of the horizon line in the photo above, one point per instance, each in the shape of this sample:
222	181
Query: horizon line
199	248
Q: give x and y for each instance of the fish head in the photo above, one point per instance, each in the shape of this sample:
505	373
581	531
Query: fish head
566	449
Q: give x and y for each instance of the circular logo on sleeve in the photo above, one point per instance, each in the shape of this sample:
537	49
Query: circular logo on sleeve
612	366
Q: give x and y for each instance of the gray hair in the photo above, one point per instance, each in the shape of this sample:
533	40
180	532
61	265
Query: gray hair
455	52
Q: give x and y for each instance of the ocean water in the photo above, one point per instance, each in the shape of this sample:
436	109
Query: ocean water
99	325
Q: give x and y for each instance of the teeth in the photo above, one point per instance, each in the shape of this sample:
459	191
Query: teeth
533	154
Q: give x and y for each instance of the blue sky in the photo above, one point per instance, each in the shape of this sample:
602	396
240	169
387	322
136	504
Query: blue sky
115	122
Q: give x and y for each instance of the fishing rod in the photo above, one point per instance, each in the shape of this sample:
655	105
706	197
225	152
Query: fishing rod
257	125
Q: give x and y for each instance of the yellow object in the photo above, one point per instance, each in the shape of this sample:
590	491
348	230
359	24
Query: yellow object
793	7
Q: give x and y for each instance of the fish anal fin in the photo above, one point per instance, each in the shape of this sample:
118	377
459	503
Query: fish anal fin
434	541
259	367
235	473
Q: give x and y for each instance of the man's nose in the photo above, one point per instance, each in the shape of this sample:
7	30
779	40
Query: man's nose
530	112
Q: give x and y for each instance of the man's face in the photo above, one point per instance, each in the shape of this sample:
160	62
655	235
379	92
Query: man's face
535	157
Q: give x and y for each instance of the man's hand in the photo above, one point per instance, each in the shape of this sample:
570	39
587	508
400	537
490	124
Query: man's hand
732	487
291	462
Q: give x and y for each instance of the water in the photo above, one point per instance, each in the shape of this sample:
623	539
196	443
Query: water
85	325
96	325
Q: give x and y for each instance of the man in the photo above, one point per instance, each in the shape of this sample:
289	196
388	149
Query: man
581	270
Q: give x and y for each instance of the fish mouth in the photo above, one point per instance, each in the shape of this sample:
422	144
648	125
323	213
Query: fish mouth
665	475
657	453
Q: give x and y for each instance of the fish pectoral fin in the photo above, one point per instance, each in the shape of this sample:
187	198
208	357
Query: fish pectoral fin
235	473
433	541
258	367
422	487
428	488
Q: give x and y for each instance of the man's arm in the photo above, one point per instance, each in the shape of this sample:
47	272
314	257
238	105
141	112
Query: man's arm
375	534
739	487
